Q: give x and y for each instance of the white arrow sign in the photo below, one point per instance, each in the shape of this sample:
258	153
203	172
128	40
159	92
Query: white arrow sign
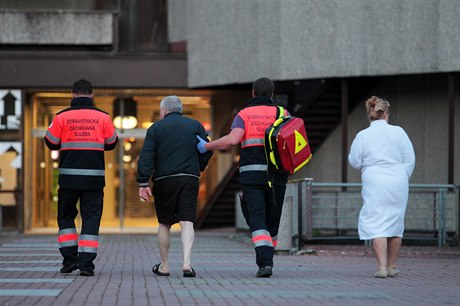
5	146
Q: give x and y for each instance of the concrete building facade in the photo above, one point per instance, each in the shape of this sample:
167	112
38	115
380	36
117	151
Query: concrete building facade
413	45
319	53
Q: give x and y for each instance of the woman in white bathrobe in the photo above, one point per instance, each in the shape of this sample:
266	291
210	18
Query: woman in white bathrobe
386	158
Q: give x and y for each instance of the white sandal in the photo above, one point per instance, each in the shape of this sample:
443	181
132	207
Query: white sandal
393	272
382	273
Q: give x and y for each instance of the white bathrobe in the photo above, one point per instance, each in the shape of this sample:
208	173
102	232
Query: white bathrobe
386	158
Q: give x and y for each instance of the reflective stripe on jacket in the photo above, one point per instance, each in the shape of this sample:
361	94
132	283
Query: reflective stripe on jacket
82	133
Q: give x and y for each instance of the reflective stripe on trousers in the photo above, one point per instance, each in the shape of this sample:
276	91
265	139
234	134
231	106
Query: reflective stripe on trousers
275	240
88	243
67	237
262	238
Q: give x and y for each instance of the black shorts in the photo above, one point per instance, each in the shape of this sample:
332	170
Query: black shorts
175	198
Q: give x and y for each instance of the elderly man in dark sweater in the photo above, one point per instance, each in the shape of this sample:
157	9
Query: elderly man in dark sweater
169	156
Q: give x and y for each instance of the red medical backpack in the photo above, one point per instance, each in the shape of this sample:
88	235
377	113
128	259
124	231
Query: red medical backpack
286	144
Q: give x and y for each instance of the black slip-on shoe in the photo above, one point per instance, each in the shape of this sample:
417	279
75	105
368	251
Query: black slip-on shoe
87	273
189	273
264	272
69	268
156	270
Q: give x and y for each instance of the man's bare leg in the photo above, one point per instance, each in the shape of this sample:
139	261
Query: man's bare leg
187	237
164	239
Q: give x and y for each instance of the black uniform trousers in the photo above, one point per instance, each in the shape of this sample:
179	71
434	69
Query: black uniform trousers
91	202
264	207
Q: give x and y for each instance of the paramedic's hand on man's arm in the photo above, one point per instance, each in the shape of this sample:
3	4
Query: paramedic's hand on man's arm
223	143
200	145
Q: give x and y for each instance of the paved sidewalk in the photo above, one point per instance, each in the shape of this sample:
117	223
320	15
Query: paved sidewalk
336	275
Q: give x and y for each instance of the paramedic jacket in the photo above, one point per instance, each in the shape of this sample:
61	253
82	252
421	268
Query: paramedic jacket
258	114
170	149
82	133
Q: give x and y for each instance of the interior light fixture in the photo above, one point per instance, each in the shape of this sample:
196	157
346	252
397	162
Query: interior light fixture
127	158
54	155
125	113
127	146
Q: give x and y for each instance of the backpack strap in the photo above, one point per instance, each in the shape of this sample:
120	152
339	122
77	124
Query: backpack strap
271	168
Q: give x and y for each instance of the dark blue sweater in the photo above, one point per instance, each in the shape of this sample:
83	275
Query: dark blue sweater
170	148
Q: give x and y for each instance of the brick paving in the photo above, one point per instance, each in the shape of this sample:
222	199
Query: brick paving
333	275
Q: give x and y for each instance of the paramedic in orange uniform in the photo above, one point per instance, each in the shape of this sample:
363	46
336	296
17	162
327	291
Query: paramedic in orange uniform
82	133
248	128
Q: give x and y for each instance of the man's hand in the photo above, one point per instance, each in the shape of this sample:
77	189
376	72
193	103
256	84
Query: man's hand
145	194
200	145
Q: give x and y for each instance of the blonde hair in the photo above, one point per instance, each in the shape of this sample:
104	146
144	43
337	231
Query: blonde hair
376	107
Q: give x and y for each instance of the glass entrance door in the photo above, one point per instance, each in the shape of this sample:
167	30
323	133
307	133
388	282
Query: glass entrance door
123	210
133	213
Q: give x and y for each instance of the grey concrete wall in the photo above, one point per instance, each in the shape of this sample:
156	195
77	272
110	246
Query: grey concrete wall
49	4
177	20
56	27
236	41
419	105
103	71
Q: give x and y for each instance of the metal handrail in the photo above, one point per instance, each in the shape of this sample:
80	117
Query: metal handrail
432	186
439	197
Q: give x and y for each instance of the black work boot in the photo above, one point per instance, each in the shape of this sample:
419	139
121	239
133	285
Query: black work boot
69	268
264	272
86	273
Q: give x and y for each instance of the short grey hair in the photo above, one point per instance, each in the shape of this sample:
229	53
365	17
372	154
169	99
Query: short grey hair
171	104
